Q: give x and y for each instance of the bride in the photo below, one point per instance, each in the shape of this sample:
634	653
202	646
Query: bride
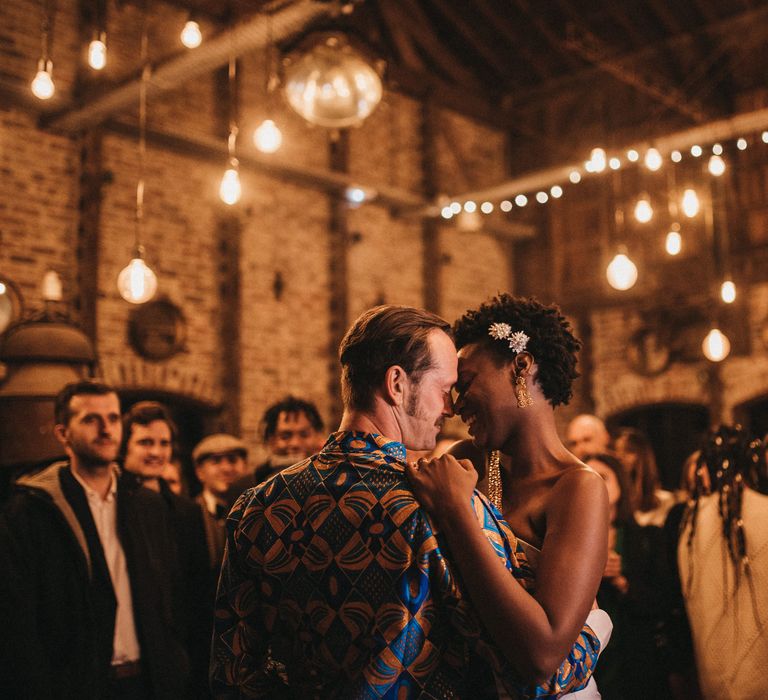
517	361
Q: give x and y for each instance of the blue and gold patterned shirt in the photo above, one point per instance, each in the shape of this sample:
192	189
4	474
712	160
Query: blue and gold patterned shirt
335	584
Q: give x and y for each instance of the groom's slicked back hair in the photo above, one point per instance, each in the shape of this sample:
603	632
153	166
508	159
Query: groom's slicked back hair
380	338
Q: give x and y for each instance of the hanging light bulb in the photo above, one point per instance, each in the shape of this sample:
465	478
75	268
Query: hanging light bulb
643	210
42	85
728	292
690	203
676	156
137	282
621	272
674	242
97	52
597	160
741	144
230	189
716	165
267	136
633	155
716	346
653	160
191	36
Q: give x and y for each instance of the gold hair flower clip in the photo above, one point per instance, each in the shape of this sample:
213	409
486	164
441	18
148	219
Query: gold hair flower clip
518	340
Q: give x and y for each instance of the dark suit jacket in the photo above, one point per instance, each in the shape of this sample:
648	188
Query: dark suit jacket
56	638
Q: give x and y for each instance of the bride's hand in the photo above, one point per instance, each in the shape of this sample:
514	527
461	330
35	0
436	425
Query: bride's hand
442	485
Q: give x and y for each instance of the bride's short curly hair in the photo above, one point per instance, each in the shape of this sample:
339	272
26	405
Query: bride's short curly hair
551	340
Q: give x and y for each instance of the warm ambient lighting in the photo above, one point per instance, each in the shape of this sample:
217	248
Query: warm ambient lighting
486	207
542	197
136	282
556	191
597	161
191	36
42	86
267	137
633	155
3	288
716	166
643	210
470	207
614	163
230	189
97	52
521	200
332	85
716	346
51	287
676	156
696	151
690	203
674	243
575	177
741	144
653	160
446	212
621	272
728	292
505	206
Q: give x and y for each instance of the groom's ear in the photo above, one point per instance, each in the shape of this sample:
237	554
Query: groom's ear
395	385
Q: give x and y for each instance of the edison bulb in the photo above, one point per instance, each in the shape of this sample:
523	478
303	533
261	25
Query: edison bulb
574	176
446	212
97	53
267	136
716	165
643	210
621	272
42	86
716	346
690	203
673	243
597	160
653	160
728	292
230	189
191	36
137	283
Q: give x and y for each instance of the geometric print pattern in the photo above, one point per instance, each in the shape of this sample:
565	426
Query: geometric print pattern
335	584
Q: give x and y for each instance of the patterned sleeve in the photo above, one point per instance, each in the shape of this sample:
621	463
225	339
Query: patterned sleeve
577	668
240	661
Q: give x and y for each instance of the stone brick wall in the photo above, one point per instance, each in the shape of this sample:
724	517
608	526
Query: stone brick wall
284	242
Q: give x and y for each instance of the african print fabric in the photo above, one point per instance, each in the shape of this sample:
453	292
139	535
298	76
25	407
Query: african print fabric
335	584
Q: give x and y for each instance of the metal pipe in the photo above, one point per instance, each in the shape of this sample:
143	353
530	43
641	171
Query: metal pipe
719	130
211	54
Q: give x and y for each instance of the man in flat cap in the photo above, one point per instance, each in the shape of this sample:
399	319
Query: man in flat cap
219	461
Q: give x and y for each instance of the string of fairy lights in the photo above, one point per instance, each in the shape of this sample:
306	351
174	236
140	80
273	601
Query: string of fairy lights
621	271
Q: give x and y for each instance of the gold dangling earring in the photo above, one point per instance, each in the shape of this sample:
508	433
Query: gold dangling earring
493	474
521	392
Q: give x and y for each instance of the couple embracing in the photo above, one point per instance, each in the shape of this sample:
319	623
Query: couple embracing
356	574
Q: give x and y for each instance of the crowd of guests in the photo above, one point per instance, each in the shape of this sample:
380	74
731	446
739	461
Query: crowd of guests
110	570
683	597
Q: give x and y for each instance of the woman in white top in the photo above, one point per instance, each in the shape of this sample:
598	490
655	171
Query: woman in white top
723	560
517	361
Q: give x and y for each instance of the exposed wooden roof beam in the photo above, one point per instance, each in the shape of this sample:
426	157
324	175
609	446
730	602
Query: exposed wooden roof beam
591	49
248	36
755	20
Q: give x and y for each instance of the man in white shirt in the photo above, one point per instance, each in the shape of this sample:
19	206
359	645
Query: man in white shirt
88	592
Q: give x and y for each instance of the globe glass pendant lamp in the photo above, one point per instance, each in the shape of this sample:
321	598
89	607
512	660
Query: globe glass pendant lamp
332	85
621	271
137	283
716	345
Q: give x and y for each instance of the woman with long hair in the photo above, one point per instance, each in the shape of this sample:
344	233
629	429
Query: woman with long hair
517	361
723	561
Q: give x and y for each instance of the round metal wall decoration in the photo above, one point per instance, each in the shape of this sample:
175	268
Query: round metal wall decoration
648	353
157	330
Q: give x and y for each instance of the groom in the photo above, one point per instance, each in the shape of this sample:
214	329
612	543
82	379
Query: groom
335	583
